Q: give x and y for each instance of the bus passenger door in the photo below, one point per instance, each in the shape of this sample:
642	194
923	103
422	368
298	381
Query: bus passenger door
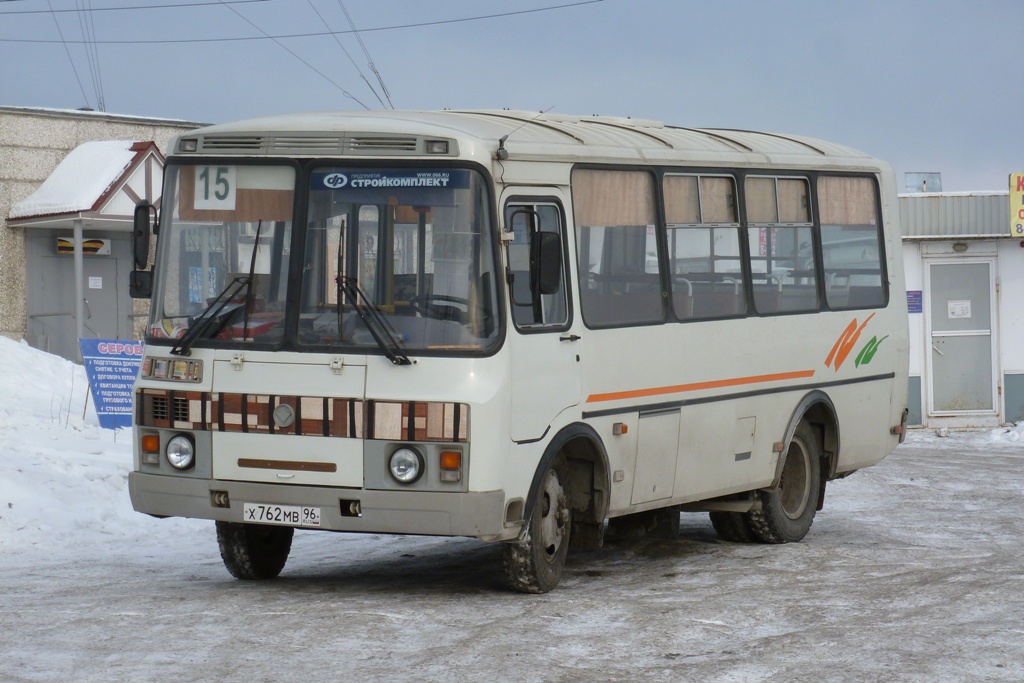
545	368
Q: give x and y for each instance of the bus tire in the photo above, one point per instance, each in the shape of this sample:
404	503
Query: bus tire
534	563
787	510
732	526
254	551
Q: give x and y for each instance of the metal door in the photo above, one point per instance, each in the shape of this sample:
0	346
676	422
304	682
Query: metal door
961	367
52	304
544	346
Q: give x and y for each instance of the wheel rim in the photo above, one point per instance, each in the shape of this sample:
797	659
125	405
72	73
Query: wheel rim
795	485
553	515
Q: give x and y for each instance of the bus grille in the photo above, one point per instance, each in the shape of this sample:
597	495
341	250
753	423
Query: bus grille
382	144
180	409
289	144
233	143
161	407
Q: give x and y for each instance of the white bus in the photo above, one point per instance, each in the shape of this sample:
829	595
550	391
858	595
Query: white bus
529	329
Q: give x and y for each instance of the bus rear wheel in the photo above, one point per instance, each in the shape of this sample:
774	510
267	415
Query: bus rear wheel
534	563
254	551
732	526
787	511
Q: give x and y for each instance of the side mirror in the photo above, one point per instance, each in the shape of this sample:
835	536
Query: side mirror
140	280
545	262
140	284
140	234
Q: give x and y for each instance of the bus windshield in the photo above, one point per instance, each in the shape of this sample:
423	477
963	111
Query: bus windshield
397	260
225	245
400	257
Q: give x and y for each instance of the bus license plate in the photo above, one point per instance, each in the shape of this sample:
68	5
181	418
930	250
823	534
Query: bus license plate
287	515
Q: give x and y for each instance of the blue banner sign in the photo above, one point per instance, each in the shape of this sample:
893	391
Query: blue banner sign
111	366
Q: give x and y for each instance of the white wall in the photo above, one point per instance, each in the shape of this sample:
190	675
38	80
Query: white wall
1009	320
1010	271
913	270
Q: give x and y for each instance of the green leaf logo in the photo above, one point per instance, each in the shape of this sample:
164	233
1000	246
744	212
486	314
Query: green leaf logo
868	352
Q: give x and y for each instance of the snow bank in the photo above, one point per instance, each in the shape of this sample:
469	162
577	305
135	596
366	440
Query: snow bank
1008	434
63	479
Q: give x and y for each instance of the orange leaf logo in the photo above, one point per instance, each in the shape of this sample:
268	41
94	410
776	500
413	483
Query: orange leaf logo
847	340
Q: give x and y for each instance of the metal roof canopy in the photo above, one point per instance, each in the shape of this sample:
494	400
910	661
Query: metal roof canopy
95	187
955	215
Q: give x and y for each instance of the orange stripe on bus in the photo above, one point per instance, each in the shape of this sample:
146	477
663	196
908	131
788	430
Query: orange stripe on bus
699	386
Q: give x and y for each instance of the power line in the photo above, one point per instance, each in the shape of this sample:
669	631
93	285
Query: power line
287	49
369	60
68	51
338	41
267	36
121	9
88	26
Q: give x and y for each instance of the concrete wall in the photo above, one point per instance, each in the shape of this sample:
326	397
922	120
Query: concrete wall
32	143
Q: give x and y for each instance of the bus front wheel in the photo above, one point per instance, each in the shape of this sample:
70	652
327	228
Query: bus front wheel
534	563
787	511
254	551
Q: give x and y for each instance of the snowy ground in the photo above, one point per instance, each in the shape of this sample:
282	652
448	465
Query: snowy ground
912	572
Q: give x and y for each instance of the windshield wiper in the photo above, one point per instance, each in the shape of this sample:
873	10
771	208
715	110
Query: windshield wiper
252	276
210	315
375	323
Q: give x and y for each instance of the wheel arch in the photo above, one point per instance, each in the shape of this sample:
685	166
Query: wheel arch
817	409
588	485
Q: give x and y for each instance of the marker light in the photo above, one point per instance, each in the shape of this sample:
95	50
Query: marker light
151	449
451	466
188	145
451	460
406	465
437	146
181	452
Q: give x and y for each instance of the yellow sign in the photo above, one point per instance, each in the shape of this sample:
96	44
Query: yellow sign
1017	204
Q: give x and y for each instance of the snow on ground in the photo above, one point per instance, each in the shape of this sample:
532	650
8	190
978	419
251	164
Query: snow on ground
64	479
911	572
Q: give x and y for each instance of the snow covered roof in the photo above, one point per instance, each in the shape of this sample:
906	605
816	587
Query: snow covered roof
101	180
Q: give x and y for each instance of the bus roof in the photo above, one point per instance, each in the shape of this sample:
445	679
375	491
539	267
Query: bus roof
525	135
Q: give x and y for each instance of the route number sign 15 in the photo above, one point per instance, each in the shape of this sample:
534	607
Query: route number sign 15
215	188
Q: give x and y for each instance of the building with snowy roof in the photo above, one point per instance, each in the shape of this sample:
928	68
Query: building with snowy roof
69	181
965	296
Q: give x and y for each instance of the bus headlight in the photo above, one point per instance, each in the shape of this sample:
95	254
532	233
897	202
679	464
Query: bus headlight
181	452
406	465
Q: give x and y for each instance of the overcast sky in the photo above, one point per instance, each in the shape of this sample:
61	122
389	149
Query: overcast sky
933	85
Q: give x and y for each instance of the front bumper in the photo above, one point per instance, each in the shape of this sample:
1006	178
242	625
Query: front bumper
391	512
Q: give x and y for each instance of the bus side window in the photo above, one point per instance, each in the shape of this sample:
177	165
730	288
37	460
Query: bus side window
533	309
851	242
780	235
617	247
704	246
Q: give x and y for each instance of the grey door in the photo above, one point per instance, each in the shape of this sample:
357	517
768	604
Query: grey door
52	304
960	317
